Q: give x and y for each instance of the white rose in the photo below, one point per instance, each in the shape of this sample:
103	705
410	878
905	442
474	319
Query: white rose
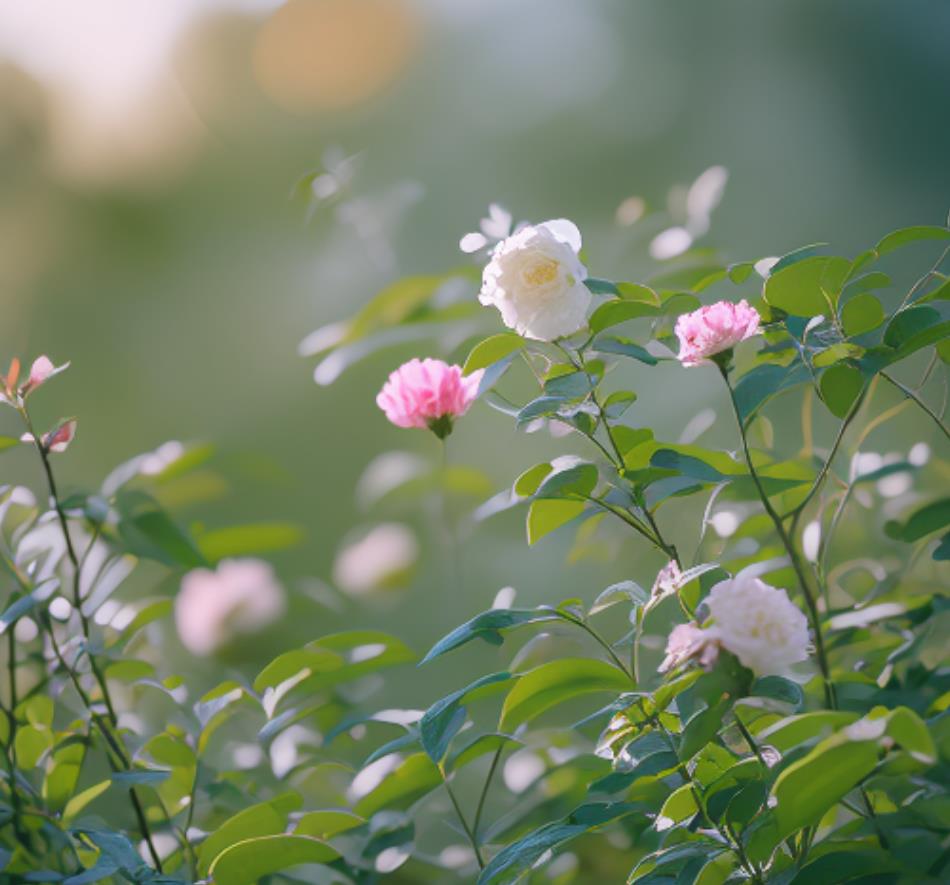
536	280
759	624
212	607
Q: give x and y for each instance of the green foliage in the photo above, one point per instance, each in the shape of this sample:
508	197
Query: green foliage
583	755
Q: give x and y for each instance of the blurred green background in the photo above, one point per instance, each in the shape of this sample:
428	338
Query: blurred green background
148	157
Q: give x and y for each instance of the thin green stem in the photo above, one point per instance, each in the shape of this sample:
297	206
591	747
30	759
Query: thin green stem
911	395
602	642
468	831
826	466
810	599
479	808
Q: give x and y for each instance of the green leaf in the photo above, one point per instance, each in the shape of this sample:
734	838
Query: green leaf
415	776
779	688
553	683
31	742
247	862
843	350
600	287
613	313
489	626
78	802
907	235
679	805
793	257
529	481
931	517
148	532
241	540
915	327
759	385
840	386
8	442
862	314
809	787
618	402
544	516
513	861
326	824
570	479
623	347
140	777
446	716
807	287
290	663
490	351
262	819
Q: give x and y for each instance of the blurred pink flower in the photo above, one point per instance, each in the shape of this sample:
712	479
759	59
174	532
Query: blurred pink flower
690	641
213	607
713	329
428	393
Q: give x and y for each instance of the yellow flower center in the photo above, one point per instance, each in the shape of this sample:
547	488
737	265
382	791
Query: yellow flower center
540	272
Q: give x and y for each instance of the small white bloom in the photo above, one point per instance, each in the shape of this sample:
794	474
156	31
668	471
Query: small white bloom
212	607
759	624
536	280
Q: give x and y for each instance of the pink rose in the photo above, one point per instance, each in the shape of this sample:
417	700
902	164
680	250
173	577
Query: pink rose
713	329
428	393
687	641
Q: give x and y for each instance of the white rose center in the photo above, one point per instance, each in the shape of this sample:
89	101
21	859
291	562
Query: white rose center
540	271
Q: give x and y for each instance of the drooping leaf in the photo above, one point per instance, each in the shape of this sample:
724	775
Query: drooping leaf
490	626
446	716
840	386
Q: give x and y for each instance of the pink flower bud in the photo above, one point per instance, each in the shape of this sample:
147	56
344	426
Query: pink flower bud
713	329
428	393
41	369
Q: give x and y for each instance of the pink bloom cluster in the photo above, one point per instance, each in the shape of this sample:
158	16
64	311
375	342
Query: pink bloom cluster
428	393
713	329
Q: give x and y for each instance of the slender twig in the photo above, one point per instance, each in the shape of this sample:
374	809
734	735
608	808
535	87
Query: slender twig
826	466
810	599
911	395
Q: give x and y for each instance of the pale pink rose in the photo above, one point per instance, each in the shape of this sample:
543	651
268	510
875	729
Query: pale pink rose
713	329
428	393
213	607
689	641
